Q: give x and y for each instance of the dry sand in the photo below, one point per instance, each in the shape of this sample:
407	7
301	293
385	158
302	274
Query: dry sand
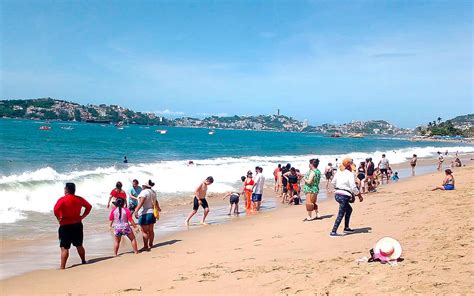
276	253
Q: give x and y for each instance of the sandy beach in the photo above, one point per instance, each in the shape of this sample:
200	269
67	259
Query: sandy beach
276	253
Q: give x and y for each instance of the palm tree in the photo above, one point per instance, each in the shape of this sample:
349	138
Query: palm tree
439	120
430	124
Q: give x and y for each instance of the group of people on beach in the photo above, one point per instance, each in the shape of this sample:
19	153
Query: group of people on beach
348	182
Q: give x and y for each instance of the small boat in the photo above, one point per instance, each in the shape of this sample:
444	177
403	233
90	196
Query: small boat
120	127
45	128
163	132
67	127
336	135
211	132
356	135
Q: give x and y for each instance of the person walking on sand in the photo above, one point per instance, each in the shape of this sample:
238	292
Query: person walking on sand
413	164
68	212
346	189
144	212
116	193
311	188
200	200
328	173
133	197
257	190
121	218
384	166
448	182
248	187
440	161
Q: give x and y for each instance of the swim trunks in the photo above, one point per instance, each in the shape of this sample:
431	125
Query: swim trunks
70	234
204	204
234	199
256	197
383	171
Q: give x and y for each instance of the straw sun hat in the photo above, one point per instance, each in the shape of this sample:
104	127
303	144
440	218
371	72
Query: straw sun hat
387	249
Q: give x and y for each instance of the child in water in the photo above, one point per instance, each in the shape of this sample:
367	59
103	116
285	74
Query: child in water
234	199
121	218
395	177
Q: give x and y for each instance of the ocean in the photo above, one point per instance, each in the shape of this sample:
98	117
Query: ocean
35	164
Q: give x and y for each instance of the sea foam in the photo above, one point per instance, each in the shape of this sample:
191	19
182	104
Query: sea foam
38	191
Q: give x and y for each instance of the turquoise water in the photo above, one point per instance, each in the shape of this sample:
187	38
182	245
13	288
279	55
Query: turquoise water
35	164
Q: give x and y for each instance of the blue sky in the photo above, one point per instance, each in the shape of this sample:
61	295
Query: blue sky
325	61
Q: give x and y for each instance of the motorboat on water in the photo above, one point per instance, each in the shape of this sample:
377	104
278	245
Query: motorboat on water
67	127
163	132
45	128
211	132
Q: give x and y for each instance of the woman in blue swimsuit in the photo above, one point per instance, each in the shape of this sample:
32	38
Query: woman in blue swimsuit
448	182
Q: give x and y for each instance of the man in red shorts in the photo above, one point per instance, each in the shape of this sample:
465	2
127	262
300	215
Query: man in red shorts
68	212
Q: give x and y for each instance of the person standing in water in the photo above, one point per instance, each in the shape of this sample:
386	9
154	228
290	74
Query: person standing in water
257	190
248	188
311	188
200	200
133	198
440	161
68	212
275	175
384	165
117	193
413	164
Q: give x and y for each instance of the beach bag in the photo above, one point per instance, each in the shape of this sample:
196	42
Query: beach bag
156	212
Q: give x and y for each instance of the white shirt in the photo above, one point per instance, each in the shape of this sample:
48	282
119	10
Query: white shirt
345	180
149	195
259	182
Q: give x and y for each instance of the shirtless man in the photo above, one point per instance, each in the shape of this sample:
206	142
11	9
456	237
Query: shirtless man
200	200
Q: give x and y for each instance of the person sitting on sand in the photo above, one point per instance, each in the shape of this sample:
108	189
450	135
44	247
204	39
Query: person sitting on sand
234	198
68	212
295	199
346	189
116	193
448	182
311	188
200	200
395	177
147	201
456	163
121	218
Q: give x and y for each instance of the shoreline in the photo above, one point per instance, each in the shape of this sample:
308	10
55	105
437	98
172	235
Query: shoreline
284	255
98	237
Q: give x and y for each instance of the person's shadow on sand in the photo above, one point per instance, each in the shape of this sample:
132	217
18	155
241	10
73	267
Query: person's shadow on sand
170	242
360	230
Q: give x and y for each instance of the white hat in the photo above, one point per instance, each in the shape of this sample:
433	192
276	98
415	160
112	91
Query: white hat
387	249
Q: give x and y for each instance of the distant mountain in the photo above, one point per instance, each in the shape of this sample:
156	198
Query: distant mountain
459	126
51	109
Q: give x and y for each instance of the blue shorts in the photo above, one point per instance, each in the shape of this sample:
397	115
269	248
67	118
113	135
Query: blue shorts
449	187
146	219
256	197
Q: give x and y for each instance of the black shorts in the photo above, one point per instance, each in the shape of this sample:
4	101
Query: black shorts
234	199
203	204
70	234
383	171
